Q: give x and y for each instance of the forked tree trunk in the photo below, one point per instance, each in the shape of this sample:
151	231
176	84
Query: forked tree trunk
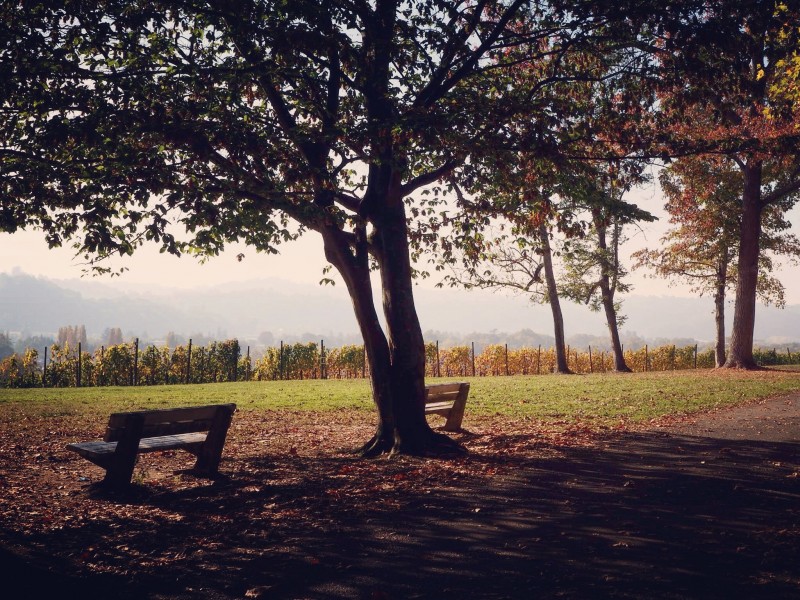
561	365
744	314
397	360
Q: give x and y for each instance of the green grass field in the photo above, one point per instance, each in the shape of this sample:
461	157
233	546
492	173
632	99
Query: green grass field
602	397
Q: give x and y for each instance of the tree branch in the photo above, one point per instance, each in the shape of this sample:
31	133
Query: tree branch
428	178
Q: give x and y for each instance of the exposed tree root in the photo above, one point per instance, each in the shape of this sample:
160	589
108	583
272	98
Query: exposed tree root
430	443
743	365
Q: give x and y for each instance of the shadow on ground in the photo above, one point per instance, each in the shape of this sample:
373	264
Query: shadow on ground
646	515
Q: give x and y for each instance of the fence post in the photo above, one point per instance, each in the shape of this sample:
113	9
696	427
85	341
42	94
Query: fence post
235	358
135	362
695	356
44	369
506	360
591	365
249	367
473	359
322	374
280	362
789	354
539	360
438	361
364	364
153	365
189	362
78	374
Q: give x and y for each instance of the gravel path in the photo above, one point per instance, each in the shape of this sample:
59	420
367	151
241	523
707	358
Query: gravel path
771	420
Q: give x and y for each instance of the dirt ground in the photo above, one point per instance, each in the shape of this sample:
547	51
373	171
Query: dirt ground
702	507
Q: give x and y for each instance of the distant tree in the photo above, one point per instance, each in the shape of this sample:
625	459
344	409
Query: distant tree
587	169
173	340
6	347
37	342
266	338
594	274
727	90
70	336
704	203
112	336
520	261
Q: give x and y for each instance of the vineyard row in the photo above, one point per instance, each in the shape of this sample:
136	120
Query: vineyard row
128	364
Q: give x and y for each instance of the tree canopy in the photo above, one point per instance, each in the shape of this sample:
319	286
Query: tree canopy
185	125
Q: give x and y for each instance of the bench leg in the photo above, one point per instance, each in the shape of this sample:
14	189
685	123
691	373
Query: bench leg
210	454
119	474
120	469
456	415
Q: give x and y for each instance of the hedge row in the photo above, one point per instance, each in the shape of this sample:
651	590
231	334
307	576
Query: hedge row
128	364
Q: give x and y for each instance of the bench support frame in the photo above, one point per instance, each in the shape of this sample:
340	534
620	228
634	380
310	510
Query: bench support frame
133	433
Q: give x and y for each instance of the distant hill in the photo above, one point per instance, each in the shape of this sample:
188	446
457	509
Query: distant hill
292	311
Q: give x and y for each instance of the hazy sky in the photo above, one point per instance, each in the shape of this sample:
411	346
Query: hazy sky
300	261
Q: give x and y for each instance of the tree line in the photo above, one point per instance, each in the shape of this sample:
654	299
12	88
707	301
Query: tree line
128	364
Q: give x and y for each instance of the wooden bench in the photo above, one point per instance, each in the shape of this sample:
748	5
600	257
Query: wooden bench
200	430
448	400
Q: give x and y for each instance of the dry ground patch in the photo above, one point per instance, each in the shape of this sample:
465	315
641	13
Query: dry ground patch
571	505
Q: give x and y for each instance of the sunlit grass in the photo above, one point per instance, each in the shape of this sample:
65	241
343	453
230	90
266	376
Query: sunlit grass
601	397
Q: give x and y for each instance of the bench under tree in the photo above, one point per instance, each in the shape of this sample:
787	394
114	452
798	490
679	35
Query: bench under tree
200	430
448	400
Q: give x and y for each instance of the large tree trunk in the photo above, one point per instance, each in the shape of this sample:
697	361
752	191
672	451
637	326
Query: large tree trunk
744	314
607	291
561	365
397	361
719	309
411	434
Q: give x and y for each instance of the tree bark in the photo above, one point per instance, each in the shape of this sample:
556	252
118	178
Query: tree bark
719	309
607	291
412	434
744	314
561	365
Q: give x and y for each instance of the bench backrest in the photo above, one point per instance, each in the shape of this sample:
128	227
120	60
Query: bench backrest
169	421
443	392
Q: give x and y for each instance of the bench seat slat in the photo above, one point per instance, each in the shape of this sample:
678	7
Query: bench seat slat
440	388
152	444
433	407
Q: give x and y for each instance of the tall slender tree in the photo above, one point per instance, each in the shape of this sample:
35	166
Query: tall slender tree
703	202
520	260
594	272
725	91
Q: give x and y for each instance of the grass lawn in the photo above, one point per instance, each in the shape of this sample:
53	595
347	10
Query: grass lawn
603	398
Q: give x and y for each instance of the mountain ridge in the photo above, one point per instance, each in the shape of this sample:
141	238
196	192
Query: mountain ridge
292	310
